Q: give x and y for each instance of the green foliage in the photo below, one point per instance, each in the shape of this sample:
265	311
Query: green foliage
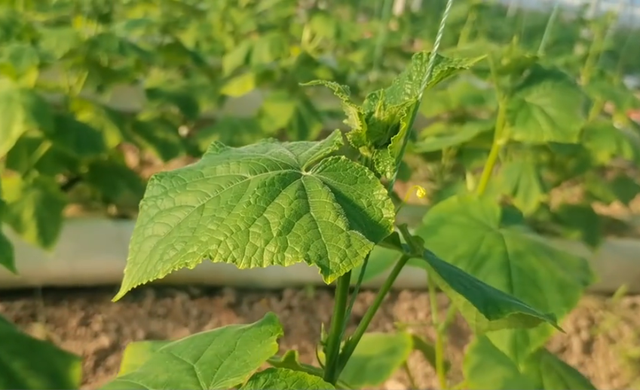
376	358
214	359
29	363
500	251
485	366
284	379
525	121
265	204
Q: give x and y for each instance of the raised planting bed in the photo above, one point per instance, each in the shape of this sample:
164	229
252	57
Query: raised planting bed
601	338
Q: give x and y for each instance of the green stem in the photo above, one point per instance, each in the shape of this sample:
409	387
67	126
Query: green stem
547	29
354	296
412	381
496	146
352	342
465	33
334	338
592	56
387	7
439	350
405	142
595	110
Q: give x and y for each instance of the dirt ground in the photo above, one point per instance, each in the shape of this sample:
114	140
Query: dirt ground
602	339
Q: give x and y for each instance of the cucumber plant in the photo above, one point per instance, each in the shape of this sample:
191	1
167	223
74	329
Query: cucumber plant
276	203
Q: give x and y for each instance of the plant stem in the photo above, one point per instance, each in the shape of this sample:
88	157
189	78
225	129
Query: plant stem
412	381
439	350
387	6
596	109
354	295
334	338
547	29
352	342
496	146
465	33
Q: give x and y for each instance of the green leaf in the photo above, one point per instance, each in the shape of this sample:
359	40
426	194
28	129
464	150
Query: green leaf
110	123
486	367
501	252
380	260
376	358
7	256
215	359
454	135
239	85
552	373
462	94
20	62
116	182
231	131
521	179
27	154
159	136
581	222
29	363
21	109
34	209
237	57
484	307
547	106
284	379
291	360
265	204
137	353
296	114
77	138
605	142
381	123
428	351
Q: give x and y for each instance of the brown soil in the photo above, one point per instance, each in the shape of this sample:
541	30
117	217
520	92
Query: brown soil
602	339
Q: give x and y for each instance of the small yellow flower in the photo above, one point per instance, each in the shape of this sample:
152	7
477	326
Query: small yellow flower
419	191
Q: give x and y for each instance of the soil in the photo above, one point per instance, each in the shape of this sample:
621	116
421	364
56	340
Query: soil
602	337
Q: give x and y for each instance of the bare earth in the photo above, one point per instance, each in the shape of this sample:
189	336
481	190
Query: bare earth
602	339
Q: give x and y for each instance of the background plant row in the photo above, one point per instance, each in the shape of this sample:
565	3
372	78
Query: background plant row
62	144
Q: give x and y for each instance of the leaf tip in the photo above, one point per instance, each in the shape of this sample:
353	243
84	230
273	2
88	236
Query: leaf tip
121	293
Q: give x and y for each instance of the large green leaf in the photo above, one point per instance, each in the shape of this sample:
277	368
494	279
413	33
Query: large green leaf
285	379
215	359
34	209
29	363
265	204
486	367
500	251
376	358
546	107
21	109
